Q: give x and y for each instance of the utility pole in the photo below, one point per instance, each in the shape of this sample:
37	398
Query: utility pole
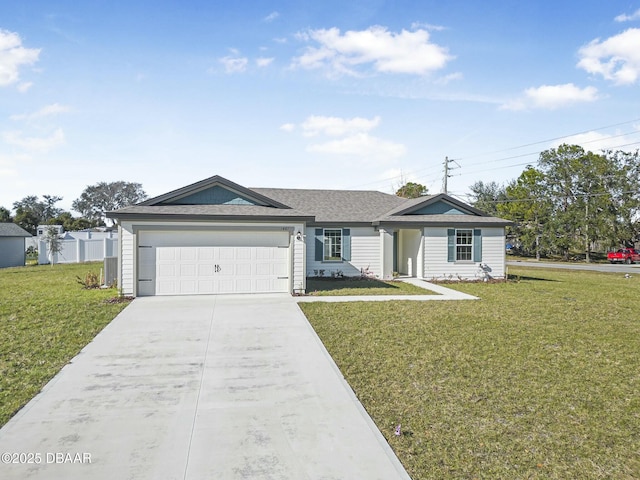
446	176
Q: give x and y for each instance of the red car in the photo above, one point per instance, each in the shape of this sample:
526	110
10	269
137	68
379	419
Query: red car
624	255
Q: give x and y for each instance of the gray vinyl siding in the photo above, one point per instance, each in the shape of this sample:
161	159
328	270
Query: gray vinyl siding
12	252
436	265
298	280
365	253
127	262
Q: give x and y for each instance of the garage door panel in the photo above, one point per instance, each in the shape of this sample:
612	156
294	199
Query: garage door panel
206	254
279	270
243	269
206	287
227	253
244	254
263	269
187	286
182	263
166	271
205	270
188	270
166	287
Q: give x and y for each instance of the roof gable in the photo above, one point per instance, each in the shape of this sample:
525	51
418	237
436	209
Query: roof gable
440	204
440	207
213	191
215	195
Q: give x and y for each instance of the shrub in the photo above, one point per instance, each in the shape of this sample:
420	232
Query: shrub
91	280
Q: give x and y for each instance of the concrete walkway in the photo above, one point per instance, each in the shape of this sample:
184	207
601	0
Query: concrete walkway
206	387
441	293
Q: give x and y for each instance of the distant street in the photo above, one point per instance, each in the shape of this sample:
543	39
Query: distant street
598	267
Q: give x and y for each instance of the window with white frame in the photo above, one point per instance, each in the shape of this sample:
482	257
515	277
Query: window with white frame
332	244
464	245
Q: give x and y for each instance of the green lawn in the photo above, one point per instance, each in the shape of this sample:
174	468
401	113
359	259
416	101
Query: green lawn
46	318
538	379
358	286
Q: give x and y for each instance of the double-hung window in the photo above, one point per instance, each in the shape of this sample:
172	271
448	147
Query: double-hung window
332	245
464	245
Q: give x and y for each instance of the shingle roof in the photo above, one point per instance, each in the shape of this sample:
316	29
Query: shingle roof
339	206
231	211
313	206
13	230
439	220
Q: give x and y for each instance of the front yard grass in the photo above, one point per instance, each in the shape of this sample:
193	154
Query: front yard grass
46	318
540	379
361	286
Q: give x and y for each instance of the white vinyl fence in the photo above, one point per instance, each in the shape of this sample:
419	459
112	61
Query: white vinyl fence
78	250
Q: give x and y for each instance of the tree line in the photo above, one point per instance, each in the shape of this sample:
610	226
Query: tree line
93	204
572	201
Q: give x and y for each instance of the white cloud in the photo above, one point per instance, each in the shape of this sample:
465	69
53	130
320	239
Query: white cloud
36	144
271	17
348	136
427	26
449	78
48	110
264	62
287	127
12	56
361	145
628	18
24	86
336	126
617	58
234	64
384	51
551	97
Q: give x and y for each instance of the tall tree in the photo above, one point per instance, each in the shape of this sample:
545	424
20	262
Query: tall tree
5	215
560	167
31	211
528	205
595	197
49	210
625	199
487	196
412	190
71	223
103	197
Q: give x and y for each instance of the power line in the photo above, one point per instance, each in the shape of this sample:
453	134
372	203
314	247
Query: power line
551	139
426	170
529	163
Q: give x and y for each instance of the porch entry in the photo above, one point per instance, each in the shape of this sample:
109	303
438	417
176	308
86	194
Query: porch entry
406	247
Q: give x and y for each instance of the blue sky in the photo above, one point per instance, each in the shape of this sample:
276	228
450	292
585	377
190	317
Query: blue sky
359	94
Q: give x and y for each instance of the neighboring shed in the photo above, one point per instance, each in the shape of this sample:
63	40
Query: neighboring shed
12	248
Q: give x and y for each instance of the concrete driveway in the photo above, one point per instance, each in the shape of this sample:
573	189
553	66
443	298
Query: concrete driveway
220	387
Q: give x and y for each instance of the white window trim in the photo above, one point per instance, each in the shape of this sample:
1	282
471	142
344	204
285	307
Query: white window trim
324	239
456	245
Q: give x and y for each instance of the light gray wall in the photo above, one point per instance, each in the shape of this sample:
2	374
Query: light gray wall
12	252
435	255
365	253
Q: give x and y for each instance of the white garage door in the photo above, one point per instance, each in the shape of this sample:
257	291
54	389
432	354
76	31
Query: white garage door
205	262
